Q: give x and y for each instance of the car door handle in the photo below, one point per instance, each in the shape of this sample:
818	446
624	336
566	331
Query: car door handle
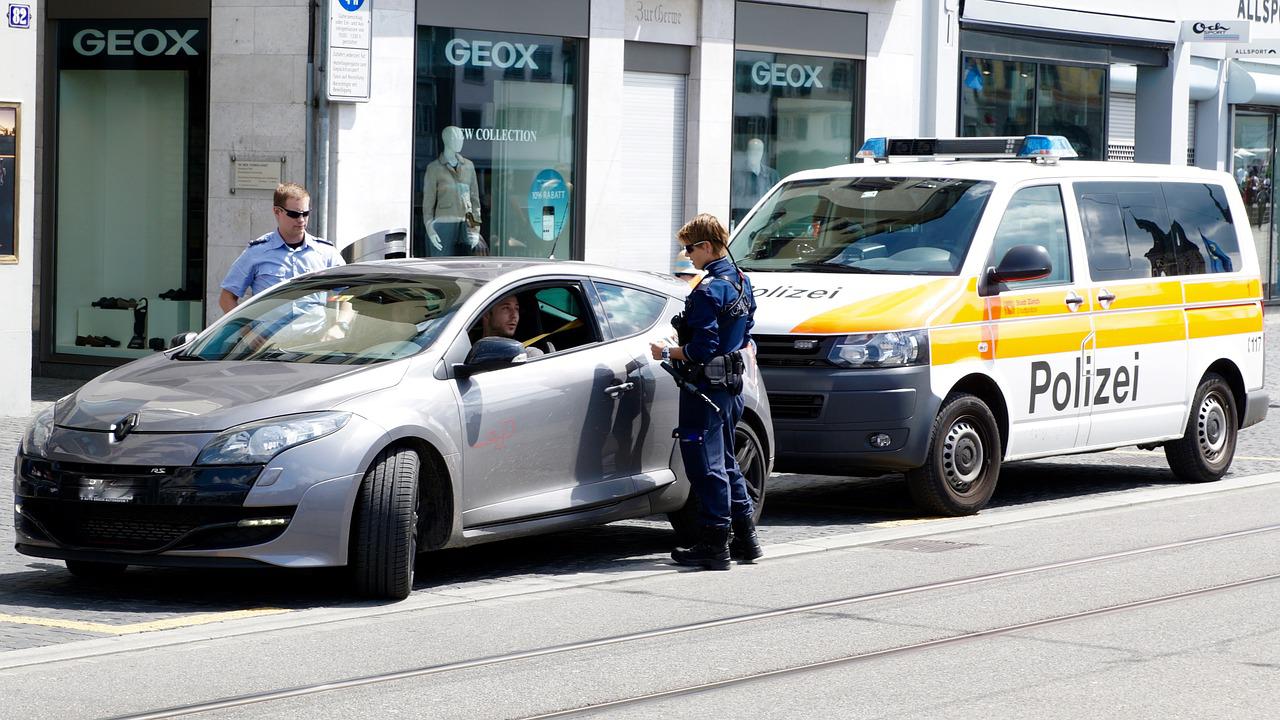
1073	300
616	390
1105	298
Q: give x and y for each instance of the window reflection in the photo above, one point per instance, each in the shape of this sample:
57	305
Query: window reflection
1007	97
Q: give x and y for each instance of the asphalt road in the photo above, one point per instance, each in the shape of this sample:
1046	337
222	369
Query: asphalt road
42	606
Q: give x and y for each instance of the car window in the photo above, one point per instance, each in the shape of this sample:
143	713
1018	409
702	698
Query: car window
546	318
1130	232
1035	217
629	310
1202	224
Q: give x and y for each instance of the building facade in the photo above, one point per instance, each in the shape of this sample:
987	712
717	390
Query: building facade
584	129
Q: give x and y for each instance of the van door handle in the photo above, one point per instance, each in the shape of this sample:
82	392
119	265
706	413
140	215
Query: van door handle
616	390
1073	301
1105	297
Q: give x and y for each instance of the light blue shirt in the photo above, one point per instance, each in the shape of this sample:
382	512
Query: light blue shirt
268	261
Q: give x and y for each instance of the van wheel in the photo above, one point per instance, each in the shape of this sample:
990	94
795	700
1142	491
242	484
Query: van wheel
384	527
964	459
89	570
753	464
1205	450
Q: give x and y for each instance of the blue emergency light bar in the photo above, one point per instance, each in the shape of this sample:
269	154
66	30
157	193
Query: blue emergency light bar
1031	147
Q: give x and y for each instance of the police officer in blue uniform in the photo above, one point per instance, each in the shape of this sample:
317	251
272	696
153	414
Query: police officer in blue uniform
283	253
714	328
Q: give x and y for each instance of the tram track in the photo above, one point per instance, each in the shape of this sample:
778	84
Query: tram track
240	701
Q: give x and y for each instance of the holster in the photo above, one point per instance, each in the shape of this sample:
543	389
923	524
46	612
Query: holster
724	371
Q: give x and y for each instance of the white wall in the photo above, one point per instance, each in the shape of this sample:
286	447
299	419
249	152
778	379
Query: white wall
18	84
371	154
257	111
606	183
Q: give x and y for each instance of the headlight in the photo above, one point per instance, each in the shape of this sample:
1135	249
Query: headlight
38	434
257	442
891	349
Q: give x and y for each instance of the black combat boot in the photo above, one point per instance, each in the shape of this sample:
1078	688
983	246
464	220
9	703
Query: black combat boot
711	552
745	547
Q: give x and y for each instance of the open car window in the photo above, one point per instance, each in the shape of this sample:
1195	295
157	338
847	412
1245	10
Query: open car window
339	320
553	318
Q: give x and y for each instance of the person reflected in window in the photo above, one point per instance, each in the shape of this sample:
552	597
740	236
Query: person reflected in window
502	320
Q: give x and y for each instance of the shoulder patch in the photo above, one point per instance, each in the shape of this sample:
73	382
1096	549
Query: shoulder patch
259	241
706	280
322	240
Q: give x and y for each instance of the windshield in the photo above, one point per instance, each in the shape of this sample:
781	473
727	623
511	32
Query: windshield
339	320
891	225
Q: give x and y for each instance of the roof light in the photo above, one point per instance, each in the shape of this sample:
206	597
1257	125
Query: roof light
1035	147
874	148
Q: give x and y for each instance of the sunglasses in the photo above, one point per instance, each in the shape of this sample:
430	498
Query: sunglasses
295	214
688	249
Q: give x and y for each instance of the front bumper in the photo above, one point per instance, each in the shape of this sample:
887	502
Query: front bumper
824	418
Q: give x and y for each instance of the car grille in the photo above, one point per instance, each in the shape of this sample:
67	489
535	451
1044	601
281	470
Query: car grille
793	350
794	406
111	526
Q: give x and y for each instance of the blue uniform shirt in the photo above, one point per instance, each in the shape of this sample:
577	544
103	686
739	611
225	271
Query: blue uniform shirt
713	331
268	261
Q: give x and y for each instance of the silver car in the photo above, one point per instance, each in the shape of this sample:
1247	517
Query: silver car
362	414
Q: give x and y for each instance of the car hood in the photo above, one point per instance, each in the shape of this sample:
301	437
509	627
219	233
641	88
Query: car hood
206	396
829	303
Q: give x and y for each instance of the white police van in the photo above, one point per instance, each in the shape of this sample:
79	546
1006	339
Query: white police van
940	317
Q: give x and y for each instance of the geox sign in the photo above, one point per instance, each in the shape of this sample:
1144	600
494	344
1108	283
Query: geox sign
148	42
1215	31
170	44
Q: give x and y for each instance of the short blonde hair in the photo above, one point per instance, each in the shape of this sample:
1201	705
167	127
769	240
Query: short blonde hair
285	191
704	227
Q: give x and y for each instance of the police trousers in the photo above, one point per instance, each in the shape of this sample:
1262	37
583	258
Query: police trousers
706	446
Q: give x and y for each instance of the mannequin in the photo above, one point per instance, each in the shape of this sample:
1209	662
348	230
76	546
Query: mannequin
751	182
451	199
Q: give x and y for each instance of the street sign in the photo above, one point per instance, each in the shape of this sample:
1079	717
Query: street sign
350	50
19	16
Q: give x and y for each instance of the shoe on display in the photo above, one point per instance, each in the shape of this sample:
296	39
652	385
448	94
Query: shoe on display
108	341
179	294
156	344
115	303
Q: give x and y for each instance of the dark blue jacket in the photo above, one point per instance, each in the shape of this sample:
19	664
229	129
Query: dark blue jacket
712	330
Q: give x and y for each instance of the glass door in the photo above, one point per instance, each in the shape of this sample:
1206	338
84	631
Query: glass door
1253	155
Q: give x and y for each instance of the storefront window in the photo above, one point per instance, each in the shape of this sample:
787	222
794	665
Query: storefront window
494	144
790	113
129	246
1011	98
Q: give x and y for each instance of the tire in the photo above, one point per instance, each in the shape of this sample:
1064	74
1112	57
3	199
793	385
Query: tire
1205	450
89	570
384	527
963	464
751	461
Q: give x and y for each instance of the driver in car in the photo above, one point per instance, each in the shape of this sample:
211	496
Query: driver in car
502	319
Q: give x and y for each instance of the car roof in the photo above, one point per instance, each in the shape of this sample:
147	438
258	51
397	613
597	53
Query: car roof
486	270
1013	170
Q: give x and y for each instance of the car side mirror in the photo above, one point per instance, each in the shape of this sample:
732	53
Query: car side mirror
491	353
1021	262
181	339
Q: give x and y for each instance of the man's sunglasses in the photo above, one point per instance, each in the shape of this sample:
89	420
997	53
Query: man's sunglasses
295	214
688	249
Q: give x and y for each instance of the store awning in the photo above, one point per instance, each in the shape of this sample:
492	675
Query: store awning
1253	84
1204	78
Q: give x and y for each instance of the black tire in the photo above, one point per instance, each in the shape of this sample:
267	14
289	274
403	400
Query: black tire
1205	450
89	570
384	526
964	459
754	466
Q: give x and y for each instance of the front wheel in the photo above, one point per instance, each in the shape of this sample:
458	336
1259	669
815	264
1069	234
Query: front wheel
384	527
749	452
1205	450
964	459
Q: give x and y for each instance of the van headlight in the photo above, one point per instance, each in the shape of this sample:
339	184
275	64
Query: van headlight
37	437
257	442
890	349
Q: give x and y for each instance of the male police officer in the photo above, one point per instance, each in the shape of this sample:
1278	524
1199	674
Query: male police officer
716	326
283	253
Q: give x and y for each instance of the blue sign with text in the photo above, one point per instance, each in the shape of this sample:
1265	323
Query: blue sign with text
548	204
20	16
351	5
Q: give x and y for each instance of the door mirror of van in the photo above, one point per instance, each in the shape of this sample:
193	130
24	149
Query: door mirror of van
491	353
1021	262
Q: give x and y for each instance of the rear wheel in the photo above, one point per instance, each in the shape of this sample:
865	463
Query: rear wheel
384	529
754	466
89	570
1205	450
964	459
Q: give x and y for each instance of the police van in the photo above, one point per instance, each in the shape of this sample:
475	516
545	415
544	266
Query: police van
942	316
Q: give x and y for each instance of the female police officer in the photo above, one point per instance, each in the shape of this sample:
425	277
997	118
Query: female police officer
715	326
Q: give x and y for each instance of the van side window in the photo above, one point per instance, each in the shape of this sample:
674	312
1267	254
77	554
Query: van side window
1035	217
1202	223
1127	230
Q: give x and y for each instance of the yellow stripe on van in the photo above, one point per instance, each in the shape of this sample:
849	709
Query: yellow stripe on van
1139	295
1041	337
899	310
1220	290
1229	320
965	307
956	344
1122	329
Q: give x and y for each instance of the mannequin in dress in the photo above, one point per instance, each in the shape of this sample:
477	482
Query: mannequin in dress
451	199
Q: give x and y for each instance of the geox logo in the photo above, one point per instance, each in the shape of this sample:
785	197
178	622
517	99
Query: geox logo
121	429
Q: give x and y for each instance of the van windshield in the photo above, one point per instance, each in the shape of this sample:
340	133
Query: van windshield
342	319
889	225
